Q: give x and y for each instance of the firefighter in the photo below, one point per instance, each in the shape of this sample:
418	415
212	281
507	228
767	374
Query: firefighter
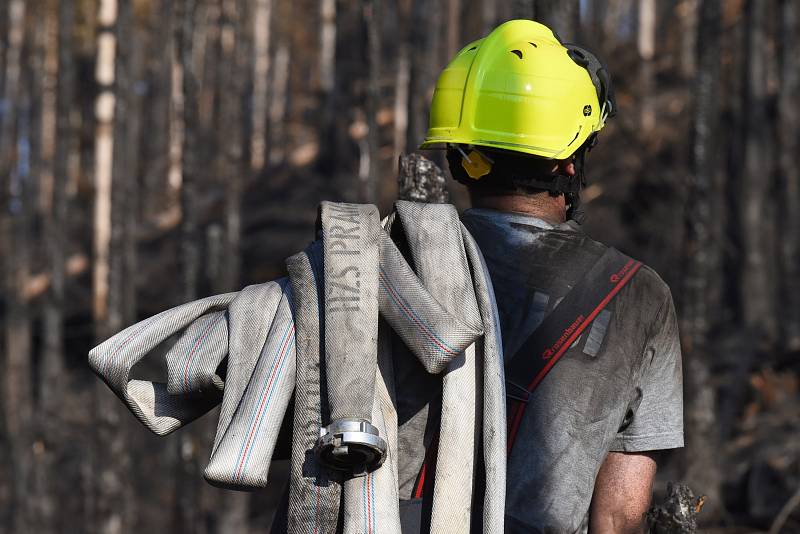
517	113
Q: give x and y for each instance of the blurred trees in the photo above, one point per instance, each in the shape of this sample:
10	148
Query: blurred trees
156	151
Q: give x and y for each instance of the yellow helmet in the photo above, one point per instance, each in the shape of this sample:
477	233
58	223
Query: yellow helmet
520	89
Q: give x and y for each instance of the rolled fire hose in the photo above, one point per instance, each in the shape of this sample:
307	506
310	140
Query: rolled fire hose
350	443
252	350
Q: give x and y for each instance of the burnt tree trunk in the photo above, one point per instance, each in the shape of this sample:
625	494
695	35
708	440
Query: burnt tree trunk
111	454
230	141
370	178
701	256
236	53
789	187
523	9
424	36
757	288
647	48
190	255
16	387
262	22
187	470
156	163
562	16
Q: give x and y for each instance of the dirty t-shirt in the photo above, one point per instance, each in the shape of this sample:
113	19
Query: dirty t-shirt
618	388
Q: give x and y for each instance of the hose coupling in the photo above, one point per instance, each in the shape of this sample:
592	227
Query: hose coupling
352	446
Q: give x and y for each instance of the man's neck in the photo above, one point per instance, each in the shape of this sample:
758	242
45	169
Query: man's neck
541	205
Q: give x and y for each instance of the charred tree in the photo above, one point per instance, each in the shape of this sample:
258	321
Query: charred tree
402	81
262	22
186	126
230	140
344	151
421	180
49	378
647	48
687	12
424	39
111	454
190	255
237	54
563	16
701	258
789	187
156	163
370	171
15	165
278	81
523	9
757	287
53	391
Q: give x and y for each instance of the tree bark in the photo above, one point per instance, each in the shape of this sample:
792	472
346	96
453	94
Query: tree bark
788	126
424	40
454	26
328	30
156	164
523	9
104	159
562	16
186	126
17	391
687	14
111	455
701	262
52	376
188	106
757	288
49	415
373	14
261	67
401	85
647	49
230	142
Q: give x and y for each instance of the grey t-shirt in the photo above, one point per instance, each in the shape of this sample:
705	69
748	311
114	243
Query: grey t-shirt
618	388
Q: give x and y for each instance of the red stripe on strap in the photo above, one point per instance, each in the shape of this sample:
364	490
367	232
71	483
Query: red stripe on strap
516	416
421	481
430	459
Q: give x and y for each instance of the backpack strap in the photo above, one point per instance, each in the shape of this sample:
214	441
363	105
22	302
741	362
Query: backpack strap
526	369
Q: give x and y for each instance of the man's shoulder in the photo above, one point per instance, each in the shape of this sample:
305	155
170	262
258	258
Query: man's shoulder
647	291
647	281
648	297
653	282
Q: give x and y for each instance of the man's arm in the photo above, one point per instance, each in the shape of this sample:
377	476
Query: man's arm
622	493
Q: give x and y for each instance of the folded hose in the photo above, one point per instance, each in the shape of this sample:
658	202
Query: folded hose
325	336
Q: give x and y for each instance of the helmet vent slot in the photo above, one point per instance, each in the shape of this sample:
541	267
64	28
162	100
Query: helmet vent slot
533	44
473	48
517	53
576	135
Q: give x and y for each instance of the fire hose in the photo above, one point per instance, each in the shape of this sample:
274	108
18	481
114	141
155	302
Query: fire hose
324	336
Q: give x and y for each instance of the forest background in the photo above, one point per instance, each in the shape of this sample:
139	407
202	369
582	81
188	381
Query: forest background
156	151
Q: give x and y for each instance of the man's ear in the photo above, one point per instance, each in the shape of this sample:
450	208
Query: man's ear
566	167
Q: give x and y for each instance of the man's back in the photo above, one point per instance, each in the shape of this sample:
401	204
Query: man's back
618	388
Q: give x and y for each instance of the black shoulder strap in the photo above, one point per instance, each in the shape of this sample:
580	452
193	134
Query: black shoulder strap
544	347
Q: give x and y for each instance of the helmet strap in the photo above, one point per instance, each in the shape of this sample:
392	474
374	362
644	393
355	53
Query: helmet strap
575	211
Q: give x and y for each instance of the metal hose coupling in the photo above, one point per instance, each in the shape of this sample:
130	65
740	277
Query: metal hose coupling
351	446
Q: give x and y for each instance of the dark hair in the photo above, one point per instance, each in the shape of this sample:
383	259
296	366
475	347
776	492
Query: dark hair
511	172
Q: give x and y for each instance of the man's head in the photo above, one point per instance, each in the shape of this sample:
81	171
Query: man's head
517	112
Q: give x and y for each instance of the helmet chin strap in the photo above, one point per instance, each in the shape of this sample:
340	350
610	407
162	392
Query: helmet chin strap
575	211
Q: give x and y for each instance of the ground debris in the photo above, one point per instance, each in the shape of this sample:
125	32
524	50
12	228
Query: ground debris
678	513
